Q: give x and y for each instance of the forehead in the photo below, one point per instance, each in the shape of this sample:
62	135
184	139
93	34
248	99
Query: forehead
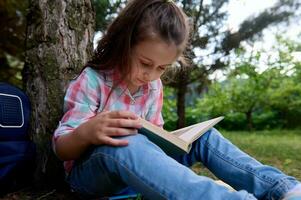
157	51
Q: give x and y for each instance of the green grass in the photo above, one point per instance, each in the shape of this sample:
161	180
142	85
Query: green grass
279	148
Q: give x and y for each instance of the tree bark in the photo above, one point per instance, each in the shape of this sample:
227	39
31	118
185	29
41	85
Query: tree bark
181	98
249	119
59	42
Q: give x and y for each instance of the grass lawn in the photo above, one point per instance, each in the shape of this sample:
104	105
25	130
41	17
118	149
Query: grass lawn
279	148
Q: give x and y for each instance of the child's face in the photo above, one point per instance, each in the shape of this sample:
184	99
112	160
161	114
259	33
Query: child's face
150	60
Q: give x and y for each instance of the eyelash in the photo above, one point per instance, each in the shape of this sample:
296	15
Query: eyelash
148	65
145	64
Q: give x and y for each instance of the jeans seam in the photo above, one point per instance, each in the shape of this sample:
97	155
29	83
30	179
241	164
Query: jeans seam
219	154
121	163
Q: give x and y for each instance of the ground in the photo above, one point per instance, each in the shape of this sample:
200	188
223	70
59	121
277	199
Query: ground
32	194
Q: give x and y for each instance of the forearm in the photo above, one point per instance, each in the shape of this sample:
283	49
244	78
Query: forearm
71	146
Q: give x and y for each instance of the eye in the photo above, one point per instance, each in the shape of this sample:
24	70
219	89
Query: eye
144	64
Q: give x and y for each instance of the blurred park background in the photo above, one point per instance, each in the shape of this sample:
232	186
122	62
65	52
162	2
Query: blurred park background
244	63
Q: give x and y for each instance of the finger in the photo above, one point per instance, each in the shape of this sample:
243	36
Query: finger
115	142
123	114
120	131
125	123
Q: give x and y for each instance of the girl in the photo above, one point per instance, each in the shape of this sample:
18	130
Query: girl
98	138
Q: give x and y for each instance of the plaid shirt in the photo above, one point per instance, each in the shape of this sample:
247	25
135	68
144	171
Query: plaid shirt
87	95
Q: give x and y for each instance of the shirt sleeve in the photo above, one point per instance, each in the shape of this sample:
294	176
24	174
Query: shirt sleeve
154	114
80	103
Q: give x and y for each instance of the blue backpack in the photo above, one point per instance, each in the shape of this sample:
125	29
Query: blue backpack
17	152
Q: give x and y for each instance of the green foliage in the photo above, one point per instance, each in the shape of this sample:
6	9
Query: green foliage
106	11
270	106
286	99
169	109
10	70
12	34
13	24
250	99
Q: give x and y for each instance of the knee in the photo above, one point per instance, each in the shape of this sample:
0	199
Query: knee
212	133
215	132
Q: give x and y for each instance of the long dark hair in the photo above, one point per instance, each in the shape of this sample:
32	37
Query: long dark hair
138	21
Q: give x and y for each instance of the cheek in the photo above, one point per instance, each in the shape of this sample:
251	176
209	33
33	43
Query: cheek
135	70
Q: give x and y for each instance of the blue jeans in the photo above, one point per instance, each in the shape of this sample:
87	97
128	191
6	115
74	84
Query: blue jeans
105	170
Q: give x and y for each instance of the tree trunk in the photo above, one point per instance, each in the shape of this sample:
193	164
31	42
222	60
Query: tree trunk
59	42
181	91
249	120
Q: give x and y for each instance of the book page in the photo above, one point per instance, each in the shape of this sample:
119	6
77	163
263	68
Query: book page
196	130
179	132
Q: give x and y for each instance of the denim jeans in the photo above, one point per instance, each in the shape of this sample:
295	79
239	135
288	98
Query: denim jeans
106	170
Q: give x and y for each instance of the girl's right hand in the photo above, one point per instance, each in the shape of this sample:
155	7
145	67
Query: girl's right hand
101	129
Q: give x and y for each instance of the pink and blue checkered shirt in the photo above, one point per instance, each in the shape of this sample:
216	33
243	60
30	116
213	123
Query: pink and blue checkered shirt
87	95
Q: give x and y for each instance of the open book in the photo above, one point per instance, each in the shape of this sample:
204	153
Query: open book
179	141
